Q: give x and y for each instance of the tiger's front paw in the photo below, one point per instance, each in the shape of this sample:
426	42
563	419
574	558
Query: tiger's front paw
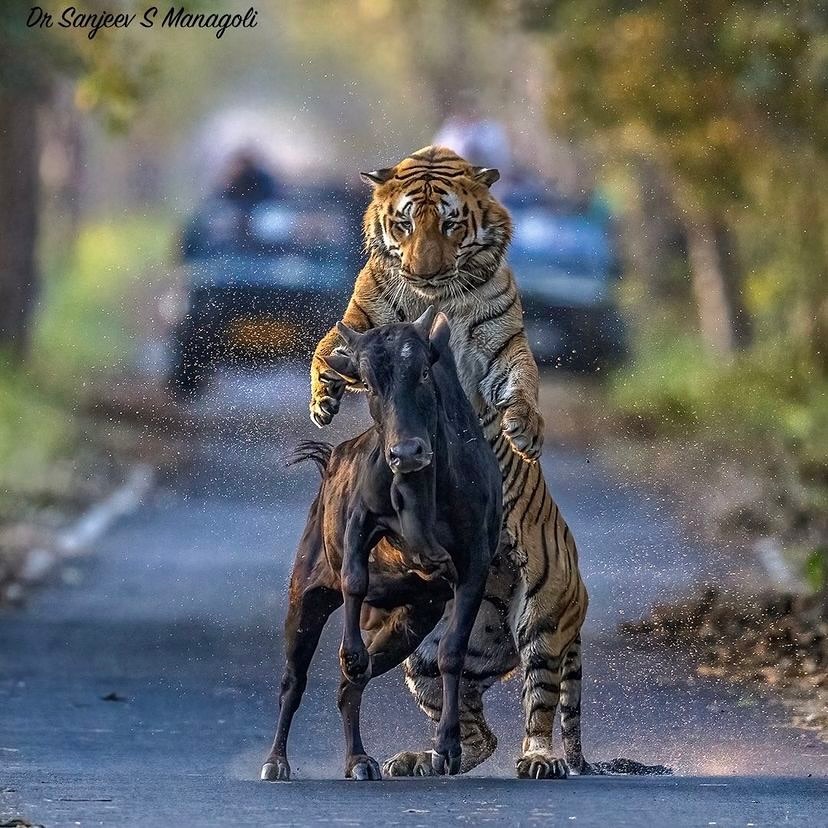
325	401
523	427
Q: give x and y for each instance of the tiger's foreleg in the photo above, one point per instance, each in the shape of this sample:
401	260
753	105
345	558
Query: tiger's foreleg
510	388
366	309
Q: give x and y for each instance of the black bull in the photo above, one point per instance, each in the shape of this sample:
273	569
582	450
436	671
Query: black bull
407	517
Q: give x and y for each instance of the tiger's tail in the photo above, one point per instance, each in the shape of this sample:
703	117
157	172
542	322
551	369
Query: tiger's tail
316	450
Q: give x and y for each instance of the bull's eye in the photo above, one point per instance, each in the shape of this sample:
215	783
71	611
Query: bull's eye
425	375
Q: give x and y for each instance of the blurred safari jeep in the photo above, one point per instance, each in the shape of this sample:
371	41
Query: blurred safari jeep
260	282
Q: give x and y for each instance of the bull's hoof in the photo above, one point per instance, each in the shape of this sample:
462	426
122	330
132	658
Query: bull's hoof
362	768
408	763
444	764
276	771
541	766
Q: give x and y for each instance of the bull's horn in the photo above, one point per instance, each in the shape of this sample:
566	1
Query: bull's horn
424	323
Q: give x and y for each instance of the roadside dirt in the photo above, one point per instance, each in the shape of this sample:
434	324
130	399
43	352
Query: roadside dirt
114	436
777	641
748	630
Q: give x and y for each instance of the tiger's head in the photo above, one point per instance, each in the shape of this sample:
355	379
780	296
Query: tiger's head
433	220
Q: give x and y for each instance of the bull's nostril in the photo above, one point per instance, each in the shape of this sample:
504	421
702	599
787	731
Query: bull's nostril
409	455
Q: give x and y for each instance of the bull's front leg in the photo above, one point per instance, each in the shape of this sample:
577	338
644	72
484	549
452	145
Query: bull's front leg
451	656
353	654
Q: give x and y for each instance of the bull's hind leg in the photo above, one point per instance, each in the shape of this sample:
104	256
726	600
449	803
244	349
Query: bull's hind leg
306	618
490	656
392	640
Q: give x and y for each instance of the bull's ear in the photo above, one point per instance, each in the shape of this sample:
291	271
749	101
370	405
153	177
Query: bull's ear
439	336
377	177
486	175
343	366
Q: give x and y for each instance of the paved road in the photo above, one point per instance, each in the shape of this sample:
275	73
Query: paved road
178	613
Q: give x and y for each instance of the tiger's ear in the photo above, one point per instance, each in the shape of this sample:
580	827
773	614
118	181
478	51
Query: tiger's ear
377	177
343	366
486	175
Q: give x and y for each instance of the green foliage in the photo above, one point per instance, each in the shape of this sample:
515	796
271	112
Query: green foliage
85	329
113	70
725	100
87	317
36	429
709	88
816	568
765	405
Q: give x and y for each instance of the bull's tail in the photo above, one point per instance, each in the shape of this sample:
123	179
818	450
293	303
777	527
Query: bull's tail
316	450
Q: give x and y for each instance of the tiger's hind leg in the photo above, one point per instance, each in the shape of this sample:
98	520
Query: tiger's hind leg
554	606
477	740
540	696
571	710
551	676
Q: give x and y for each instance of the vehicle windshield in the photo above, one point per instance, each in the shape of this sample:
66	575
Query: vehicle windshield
274	228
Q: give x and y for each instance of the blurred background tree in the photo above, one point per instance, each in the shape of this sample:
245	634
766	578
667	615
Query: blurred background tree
721	106
107	73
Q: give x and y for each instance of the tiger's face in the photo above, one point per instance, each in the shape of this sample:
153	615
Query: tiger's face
434	221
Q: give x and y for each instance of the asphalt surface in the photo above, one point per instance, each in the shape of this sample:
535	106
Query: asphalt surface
176	614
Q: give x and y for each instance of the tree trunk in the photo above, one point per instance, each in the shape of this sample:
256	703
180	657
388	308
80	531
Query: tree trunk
654	244
19	195
709	276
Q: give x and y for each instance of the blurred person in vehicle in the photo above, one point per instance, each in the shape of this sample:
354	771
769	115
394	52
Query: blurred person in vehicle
265	263
246	182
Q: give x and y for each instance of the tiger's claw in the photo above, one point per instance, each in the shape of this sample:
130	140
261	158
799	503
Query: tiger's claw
522	426
541	766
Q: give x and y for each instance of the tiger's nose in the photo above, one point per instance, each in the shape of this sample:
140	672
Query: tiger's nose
409	455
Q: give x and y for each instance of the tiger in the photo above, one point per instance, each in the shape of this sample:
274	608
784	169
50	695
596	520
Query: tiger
436	235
